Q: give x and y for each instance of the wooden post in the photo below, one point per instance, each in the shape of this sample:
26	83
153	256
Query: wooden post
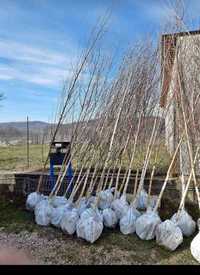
27	151
43	148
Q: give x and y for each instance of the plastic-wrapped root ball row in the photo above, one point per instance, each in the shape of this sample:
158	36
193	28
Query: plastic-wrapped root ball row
88	221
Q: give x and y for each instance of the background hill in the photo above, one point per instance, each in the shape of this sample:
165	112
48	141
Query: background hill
40	131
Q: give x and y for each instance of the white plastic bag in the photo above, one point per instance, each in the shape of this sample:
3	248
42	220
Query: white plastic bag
142	200
185	222
82	205
195	247
91	200
32	200
120	206
57	201
198	224
146	225
43	211
109	218
153	201
168	235
91	212
118	194
127	222
69	221
105	199
57	214
89	229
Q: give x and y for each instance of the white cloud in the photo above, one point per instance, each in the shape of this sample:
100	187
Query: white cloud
48	76
4	76
22	52
33	64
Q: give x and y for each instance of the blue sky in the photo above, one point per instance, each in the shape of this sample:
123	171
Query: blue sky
40	39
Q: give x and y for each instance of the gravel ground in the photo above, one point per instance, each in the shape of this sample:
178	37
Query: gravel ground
58	250
50	246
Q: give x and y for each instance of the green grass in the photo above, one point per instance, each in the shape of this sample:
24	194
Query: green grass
14	157
14	218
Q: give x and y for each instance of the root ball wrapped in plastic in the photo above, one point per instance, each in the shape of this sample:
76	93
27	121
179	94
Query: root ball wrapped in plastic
43	212
32	200
142	200
185	222
89	229
57	214
120	206
83	204
153	201
146	225
198	224
118	194
168	235
109	218
57	201
105	199
69	221
91	212
112	190
127	222
195	247
91	200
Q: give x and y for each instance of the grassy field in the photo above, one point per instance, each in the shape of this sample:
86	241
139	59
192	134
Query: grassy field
14	157
50	245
